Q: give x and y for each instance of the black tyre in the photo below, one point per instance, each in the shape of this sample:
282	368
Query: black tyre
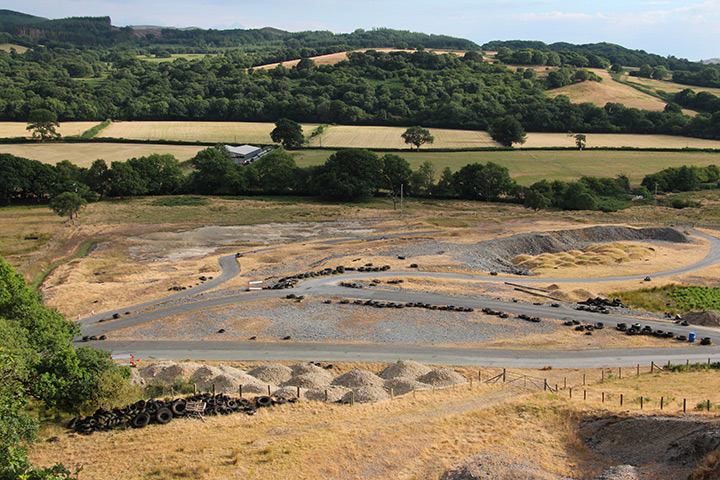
178	407
140	420
163	416
280	401
243	402
263	401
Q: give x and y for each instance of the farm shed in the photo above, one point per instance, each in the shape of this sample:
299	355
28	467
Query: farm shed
243	153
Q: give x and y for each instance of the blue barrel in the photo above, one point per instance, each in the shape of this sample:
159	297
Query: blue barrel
691	337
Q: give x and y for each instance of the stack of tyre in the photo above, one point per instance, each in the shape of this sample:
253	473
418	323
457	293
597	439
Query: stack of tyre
144	412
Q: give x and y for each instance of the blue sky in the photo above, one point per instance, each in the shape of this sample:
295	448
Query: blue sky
689	29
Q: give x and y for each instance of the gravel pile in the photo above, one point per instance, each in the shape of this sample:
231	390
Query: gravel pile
334	393
272	373
289	392
498	467
708	318
308	380
401	386
405	369
136	378
205	376
150	373
366	394
442	377
620	472
184	370
495	254
358	378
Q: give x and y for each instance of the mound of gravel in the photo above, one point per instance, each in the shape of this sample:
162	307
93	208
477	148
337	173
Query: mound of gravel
203	376
442	377
309	380
171	373
366	394
257	388
404	369
620	472
707	318
401	386
289	392
303	368
224	383
136	378
498	467
495	254
358	378
232	371
150	372
334	393
272	373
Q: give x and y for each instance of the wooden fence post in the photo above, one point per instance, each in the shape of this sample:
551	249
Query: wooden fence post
641	402
603	397
326	395
584	394
652	367
213	389
392	394
684	405
352	397
708	405
619	372
621	399
570	393
564	382
662	401
545	386
668	365
480	376
583	379
268	390
298	391
504	375
638	369
194	389
240	390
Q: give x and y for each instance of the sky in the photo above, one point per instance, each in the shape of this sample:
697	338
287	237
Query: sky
687	29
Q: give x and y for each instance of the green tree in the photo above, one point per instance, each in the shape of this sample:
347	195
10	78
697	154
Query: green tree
396	173
476	181
42	124
422	180
445	187
67	204
216	174
659	73
276	172
506	131
580	140
350	174
124	181
645	71
417	136
536	200
287	132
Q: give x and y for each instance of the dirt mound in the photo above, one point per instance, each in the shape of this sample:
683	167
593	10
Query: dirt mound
358	378
302	368
309	380
401	386
707	318
150	372
289	392
334	393
367	394
442	377
498	467
257	388
183	370
136	378
674	442
232	371
495	254
272	373
620	472
404	369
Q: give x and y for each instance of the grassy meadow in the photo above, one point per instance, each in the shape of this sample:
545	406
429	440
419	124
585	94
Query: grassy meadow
66	129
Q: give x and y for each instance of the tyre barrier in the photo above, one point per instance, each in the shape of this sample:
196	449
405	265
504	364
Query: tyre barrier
143	413
292	280
427	306
634	329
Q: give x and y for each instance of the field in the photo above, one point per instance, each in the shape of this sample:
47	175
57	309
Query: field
221	132
606	91
669	87
83	154
19	129
528	167
390	137
6	47
175	56
333	58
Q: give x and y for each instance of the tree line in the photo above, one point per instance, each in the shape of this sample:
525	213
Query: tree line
370	88
347	175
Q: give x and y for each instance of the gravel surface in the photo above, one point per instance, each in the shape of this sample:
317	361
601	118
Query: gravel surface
272	373
442	377
334	393
620	472
495	254
366	394
314	321
402	386
358	378
498	467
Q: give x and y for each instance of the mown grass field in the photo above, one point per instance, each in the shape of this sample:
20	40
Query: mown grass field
83	154
600	93
223	132
390	137
6	47
19	129
528	167
669	87
333	58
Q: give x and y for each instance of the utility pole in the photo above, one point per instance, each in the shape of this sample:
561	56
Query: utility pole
656	187
401	200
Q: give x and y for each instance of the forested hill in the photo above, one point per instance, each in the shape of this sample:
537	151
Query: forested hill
610	51
99	31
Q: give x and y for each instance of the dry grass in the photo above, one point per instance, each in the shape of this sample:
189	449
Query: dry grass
83	154
606	91
618	140
390	137
667	86
211	132
6	47
438	429
66	129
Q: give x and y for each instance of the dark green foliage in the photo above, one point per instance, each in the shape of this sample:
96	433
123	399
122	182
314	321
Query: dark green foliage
349	175
216	174
42	124
275	173
396	173
417	136
506	131
483	182
288	132
67	204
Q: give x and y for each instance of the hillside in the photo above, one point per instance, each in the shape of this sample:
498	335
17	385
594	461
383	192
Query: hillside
9	18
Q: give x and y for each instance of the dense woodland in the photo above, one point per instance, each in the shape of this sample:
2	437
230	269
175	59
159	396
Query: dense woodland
86	69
